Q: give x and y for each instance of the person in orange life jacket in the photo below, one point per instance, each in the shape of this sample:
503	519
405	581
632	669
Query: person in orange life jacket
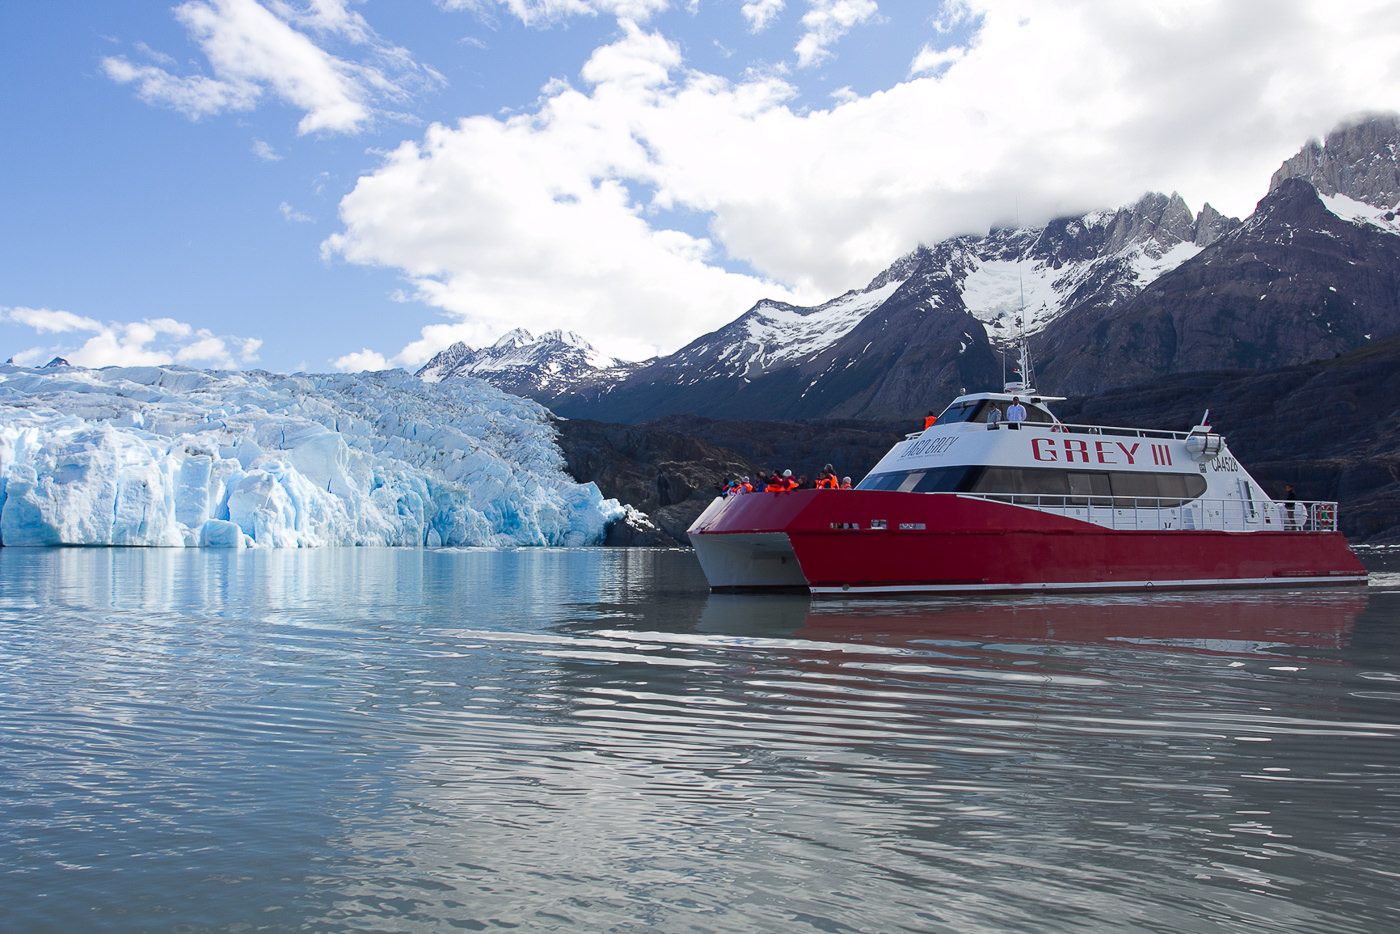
845	483
776	484
789	480
826	480
929	419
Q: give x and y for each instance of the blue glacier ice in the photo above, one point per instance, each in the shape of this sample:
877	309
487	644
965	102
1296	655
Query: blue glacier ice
178	457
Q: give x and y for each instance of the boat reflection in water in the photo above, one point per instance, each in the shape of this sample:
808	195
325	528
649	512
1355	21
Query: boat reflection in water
1234	622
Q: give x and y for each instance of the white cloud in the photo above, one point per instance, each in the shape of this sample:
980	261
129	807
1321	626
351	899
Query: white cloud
827	21
361	361
545	12
254	49
292	214
761	13
265	152
558	217
149	342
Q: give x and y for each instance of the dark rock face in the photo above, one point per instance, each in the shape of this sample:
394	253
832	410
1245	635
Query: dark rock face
1360	160
1330	428
918	344
672	468
1294	283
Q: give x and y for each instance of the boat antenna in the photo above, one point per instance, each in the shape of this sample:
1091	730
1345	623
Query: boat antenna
1025	382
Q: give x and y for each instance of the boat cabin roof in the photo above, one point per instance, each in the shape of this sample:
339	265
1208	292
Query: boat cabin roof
972	407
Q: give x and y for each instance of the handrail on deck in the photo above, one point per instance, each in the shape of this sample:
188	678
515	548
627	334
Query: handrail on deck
1156	514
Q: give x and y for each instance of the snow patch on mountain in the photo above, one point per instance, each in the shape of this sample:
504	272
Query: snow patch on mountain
1359	212
174	457
1027	292
777	335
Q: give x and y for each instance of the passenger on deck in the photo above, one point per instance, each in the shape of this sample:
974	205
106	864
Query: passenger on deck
929	419
993	414
776	484
827	479
845	483
1015	412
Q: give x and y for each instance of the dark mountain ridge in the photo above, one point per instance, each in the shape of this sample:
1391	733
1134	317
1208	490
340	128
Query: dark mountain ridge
1331	428
1113	298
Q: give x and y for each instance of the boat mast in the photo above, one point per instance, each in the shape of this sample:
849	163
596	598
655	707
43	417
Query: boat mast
1026	383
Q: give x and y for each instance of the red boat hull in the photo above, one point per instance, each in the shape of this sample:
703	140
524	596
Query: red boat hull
857	541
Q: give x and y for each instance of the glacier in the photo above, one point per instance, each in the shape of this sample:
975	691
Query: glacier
171	456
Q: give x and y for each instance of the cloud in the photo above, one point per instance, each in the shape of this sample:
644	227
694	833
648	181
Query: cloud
361	362
294	215
827	21
277	49
547	12
654	202
149	342
265	152
761	13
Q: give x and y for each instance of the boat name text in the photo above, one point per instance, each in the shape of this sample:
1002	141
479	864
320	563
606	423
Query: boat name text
930	446
1070	450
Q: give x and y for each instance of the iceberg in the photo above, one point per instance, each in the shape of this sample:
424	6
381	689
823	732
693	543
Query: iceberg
170	456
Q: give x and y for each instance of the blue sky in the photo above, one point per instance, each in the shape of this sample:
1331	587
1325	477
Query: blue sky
331	184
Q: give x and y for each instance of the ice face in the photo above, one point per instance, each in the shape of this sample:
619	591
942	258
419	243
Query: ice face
176	457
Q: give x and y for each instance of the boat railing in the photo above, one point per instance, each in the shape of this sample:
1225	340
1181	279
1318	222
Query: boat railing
1157	514
1108	430
1094	430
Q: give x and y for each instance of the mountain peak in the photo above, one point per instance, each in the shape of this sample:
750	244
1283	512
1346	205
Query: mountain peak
1360	160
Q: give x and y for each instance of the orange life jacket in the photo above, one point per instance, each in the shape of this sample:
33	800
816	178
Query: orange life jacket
928	422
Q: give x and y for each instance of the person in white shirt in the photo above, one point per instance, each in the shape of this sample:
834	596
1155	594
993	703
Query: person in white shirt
1015	412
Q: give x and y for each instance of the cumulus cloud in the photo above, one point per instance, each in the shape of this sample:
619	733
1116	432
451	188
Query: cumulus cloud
827	21
564	216
279	49
149	342
761	13
364	360
545	12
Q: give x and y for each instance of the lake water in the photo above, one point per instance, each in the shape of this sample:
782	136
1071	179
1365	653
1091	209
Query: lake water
399	740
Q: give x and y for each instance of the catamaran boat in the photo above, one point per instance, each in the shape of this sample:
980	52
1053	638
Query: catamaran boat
973	505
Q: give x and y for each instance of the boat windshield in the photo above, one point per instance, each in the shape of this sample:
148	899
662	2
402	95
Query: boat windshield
975	410
964	411
932	480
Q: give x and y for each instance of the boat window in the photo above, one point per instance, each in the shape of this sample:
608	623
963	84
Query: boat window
1088	483
933	480
1134	484
1073	487
1083	486
911	479
962	412
1035	413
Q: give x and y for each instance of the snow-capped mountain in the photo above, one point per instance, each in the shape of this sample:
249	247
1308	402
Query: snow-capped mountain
1105	298
928	326
522	364
176	457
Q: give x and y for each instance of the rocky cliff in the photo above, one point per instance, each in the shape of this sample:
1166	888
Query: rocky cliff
1331	428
